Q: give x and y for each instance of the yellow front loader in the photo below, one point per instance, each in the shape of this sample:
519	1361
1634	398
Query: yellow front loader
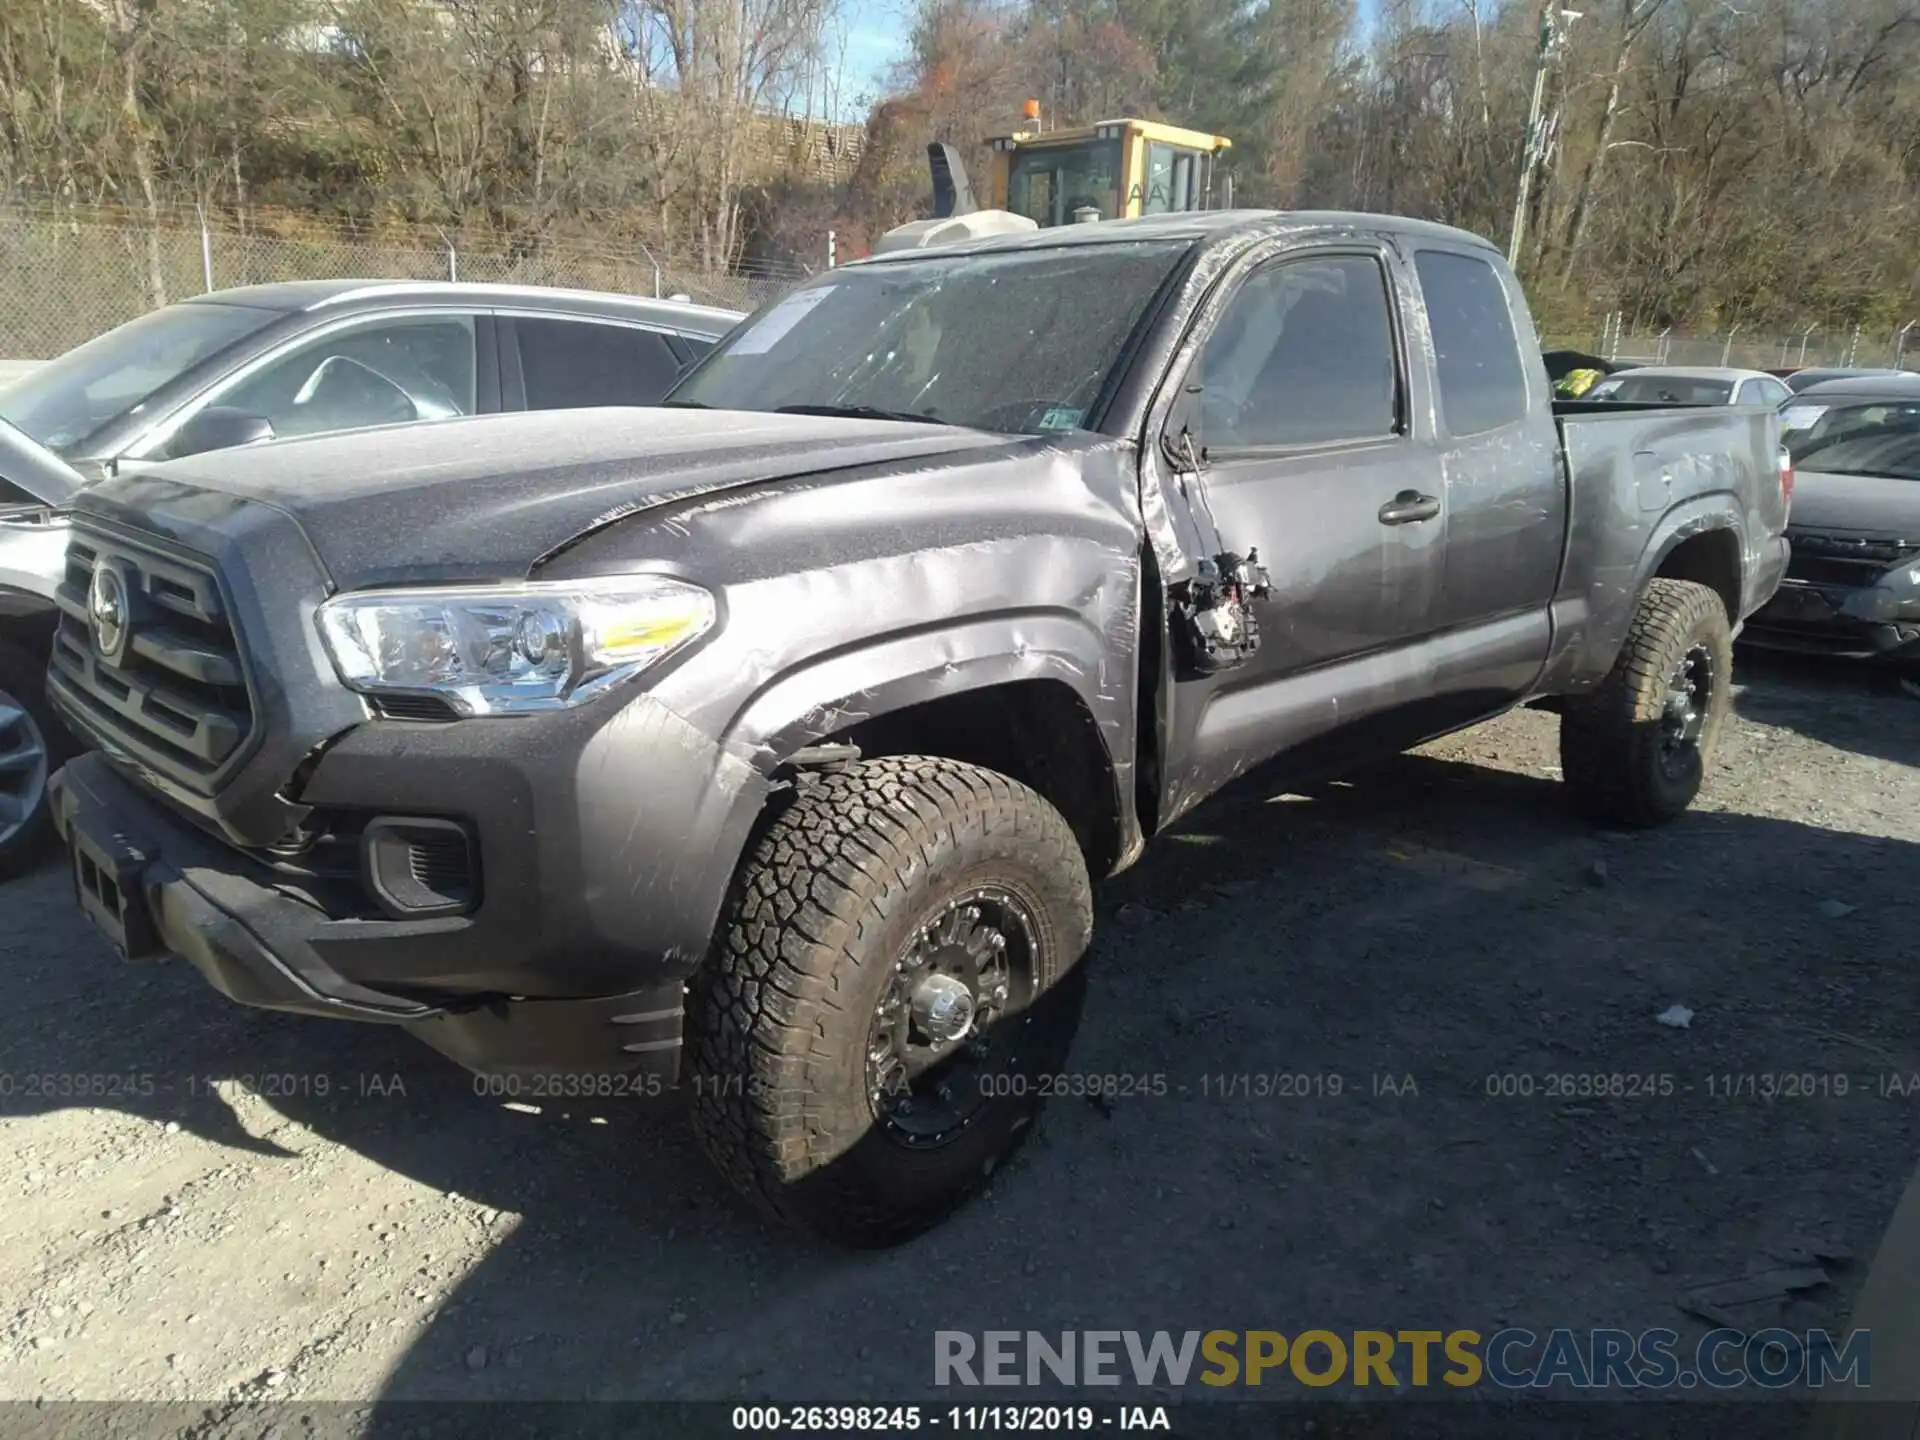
1115	170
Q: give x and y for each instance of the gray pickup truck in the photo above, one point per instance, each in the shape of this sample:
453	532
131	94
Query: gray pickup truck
765	749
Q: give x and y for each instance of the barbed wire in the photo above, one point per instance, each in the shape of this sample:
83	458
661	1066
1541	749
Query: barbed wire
1800	347
67	274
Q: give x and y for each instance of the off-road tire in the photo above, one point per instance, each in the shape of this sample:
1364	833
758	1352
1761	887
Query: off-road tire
829	897
22	683
1610	739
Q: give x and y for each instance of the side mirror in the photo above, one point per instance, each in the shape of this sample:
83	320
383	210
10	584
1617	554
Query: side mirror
219	427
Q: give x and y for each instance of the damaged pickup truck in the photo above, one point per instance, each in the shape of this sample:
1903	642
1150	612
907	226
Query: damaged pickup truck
766	748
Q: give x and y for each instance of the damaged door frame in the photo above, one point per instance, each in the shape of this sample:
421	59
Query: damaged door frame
1200	572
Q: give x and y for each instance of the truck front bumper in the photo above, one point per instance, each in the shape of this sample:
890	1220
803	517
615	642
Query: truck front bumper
155	884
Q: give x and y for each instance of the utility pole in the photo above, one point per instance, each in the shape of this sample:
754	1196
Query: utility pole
1554	24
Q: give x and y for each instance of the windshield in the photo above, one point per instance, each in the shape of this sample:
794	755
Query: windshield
1661	390
1014	341
1881	438
64	401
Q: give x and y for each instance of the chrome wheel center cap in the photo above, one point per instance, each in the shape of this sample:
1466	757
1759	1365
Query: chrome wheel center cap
942	1008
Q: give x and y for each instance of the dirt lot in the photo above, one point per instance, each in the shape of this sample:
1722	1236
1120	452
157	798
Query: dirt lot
1438	918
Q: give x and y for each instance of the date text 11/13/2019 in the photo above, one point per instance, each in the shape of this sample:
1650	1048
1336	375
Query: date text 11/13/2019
139	1084
961	1419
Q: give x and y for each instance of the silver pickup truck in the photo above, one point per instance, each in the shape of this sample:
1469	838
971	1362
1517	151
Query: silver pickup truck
770	744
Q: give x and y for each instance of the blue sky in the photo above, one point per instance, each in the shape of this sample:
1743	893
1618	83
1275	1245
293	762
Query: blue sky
876	41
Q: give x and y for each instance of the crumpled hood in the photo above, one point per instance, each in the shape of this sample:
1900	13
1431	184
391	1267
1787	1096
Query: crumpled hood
1863	505
485	498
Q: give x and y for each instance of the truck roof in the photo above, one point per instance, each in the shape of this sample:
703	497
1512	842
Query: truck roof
1209	226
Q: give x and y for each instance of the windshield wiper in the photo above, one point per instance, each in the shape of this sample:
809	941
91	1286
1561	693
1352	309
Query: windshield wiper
860	412
684	405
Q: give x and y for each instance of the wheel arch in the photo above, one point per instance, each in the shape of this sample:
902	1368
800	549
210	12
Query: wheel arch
1709	555
1037	696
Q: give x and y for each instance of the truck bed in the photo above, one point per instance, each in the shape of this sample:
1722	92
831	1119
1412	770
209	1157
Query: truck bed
1642	477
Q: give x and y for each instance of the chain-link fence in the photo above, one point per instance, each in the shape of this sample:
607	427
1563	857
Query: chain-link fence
1868	347
65	277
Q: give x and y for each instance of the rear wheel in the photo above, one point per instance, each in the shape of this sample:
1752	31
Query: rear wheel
30	740
1635	750
899	969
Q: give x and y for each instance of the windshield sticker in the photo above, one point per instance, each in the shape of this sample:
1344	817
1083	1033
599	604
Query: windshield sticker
779	320
1802	417
1062	417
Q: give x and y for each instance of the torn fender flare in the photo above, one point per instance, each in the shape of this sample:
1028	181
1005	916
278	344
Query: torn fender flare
826	697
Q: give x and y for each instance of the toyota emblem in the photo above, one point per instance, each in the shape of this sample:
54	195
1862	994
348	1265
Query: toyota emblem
107	609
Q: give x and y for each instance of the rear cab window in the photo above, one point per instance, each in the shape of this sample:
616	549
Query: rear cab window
1482	380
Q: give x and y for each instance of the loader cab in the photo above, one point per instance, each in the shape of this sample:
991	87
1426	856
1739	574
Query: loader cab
1115	170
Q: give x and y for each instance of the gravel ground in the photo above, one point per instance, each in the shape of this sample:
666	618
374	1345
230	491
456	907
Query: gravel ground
1437	921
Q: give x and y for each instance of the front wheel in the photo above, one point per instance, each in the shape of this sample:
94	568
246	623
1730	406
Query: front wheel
1635	750
30	741
898	978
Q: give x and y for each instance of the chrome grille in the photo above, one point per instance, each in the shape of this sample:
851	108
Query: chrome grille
176	699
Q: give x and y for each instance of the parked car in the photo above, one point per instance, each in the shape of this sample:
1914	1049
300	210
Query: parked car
35	486
1574	372
1800	380
1690	385
314	356
1853	584
770	748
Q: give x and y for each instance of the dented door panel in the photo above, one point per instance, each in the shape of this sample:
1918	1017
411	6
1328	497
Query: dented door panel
1351	537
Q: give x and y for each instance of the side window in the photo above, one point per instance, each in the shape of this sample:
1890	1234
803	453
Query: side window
1304	355
1775	393
383	373
1749	393
1482	383
568	364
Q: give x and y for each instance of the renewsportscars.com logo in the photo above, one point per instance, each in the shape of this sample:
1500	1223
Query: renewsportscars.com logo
1513	1358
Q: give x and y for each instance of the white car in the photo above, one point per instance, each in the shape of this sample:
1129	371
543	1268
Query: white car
1690	385
35	486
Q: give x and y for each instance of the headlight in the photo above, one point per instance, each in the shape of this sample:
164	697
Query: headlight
510	649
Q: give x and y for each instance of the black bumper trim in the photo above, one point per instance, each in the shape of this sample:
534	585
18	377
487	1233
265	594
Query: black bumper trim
1843	640
262	948
174	875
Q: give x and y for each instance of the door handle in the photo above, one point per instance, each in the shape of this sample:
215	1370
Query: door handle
1409	507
